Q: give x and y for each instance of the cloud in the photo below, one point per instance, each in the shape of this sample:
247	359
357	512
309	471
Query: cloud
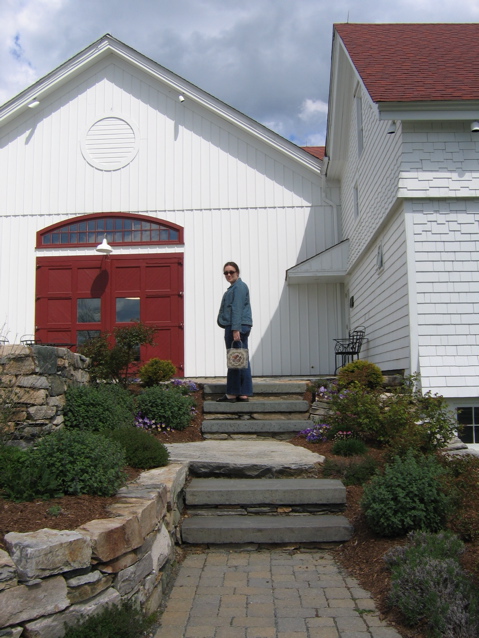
270	59
312	108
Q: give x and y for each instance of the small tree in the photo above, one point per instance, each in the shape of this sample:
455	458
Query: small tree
112	355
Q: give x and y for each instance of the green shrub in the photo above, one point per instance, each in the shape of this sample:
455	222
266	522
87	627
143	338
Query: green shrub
142	450
65	462
461	481
166	406
98	408
429	586
82	462
112	355
413	420
354	409
125	621
349	471
407	497
23	479
156	371
349	447
365	373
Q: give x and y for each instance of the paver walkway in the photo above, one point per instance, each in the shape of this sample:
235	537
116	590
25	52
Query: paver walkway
268	594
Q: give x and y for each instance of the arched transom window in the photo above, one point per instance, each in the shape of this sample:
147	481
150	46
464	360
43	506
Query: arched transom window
118	228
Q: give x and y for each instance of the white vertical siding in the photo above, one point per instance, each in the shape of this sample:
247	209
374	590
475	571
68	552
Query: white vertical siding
381	299
375	174
237	199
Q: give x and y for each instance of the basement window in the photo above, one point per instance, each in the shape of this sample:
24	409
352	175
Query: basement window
468	419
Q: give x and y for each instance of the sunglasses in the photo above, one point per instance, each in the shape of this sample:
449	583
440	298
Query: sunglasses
229	272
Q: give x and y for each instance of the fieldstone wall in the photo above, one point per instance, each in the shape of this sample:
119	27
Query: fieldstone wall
50	578
33	382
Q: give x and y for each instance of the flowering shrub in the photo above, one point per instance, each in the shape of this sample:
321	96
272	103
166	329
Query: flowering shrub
165	404
402	419
185	386
317	433
150	425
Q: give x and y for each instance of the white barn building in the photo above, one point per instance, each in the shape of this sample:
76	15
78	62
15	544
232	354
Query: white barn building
380	228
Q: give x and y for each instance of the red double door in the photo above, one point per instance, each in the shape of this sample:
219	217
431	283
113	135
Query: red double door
79	297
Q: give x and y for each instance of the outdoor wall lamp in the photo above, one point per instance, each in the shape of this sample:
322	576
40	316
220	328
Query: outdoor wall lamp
475	126
104	247
34	103
392	128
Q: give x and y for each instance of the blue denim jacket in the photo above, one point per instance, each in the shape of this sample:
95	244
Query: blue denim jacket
235	309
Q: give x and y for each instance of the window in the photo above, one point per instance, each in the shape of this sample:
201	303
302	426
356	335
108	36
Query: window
359	121
380	258
468	418
89	230
356	201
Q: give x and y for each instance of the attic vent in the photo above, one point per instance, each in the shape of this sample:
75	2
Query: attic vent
110	143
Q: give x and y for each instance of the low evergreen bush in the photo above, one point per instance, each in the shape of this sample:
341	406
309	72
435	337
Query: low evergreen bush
429	585
125	621
363	372
350	471
23	479
349	447
461	481
155	371
98	408
65	462
82	462
167	407
142	450
407	497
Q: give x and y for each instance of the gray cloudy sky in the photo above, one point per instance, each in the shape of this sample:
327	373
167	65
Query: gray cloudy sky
267	58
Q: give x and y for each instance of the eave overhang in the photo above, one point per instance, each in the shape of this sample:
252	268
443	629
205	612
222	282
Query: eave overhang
327	267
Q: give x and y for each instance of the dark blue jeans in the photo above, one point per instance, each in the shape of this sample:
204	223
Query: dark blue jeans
239	382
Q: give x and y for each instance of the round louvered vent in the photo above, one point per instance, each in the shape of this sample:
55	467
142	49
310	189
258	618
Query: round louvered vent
110	143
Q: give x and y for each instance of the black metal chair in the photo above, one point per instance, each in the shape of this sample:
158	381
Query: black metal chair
349	347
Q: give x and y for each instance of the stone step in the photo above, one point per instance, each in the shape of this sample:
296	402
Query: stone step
212	407
245	459
218	491
262	387
253	426
223	530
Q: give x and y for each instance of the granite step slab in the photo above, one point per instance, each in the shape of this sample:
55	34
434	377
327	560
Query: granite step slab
252	426
245	459
296	491
221	530
213	407
262	387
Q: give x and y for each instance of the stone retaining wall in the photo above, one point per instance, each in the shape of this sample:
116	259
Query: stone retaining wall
52	578
33	382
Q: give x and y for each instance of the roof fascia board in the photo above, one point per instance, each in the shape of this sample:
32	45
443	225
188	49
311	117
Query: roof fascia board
460	110
338	132
108	44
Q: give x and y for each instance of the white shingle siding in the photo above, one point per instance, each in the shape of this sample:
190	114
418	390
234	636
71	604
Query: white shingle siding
446	244
439	160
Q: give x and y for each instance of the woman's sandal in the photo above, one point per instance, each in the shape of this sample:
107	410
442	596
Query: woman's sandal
242	399
225	399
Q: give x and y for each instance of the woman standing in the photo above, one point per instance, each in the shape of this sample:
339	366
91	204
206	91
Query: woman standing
236	319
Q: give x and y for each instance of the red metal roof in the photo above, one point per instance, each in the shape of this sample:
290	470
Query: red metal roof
415	62
317	151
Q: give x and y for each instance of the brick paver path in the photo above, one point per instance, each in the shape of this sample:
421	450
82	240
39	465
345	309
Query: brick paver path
268	594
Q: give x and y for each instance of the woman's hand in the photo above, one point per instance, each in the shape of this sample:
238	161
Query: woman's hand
236	335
